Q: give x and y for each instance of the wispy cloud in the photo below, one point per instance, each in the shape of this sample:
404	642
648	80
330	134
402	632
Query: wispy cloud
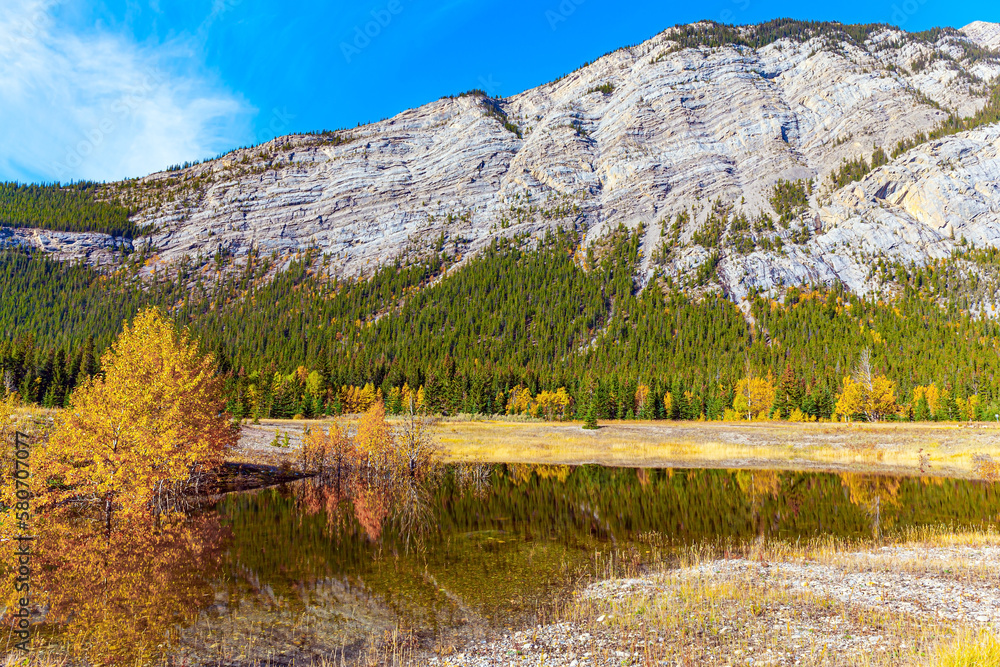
91	104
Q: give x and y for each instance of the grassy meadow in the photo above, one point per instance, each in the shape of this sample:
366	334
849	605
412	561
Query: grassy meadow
931	448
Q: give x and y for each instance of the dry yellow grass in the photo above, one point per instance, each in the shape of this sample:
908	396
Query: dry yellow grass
702	623
936	449
969	650
940	449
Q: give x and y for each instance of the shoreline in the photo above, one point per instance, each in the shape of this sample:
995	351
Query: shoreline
927	448
921	602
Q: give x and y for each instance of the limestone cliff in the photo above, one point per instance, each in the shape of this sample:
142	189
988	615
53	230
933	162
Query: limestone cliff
637	137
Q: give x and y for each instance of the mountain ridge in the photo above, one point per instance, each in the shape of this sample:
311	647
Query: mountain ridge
672	129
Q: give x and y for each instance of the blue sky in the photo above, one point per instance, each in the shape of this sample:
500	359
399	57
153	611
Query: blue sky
105	90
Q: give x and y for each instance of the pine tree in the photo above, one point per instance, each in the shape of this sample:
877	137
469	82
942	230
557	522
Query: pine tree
590	417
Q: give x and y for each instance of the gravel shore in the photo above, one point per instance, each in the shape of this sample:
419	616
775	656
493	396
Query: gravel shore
885	606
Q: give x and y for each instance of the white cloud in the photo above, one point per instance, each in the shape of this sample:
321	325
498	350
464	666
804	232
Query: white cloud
96	105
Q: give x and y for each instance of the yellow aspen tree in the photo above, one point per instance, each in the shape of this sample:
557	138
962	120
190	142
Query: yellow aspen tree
968	407
881	398
561	401
641	394
329	449
155	416
931	395
754	395
520	401
874	399
543	404
346	400
374	437
851	400
552	404
366	397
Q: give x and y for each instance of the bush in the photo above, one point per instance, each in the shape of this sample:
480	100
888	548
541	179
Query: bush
730	415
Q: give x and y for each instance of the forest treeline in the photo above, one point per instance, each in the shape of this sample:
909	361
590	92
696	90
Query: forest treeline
505	332
73	207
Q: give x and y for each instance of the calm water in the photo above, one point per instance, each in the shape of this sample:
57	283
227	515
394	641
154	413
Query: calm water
306	567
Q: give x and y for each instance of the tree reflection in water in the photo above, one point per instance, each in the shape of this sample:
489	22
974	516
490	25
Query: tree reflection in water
115	592
375	496
873	493
349	552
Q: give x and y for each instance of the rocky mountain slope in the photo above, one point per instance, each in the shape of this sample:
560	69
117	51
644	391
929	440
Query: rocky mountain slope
985	34
687	134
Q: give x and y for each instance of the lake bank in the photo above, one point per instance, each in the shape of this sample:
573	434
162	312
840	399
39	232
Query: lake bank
936	449
917	602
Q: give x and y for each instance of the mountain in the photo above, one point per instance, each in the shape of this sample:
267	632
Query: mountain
644	232
694	126
986	35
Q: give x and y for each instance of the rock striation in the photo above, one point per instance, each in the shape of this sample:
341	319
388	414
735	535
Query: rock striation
638	137
985	34
97	249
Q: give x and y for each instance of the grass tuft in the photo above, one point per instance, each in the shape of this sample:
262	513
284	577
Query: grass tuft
969	650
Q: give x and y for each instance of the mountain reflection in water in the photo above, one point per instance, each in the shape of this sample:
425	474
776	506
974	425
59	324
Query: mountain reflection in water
309	567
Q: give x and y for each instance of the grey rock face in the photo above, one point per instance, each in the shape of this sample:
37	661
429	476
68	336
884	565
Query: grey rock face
97	249
637	137
985	34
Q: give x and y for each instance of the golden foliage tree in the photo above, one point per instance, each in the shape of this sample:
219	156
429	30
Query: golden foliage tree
641	394
931	395
355	400
408	397
967	407
754	395
552	404
155	416
327	450
668	404
520	401
374	437
872	395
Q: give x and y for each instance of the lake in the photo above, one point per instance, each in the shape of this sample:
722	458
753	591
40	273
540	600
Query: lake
501	546
326	564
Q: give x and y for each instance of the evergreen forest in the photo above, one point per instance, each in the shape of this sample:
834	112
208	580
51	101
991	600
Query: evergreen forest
517	323
67	208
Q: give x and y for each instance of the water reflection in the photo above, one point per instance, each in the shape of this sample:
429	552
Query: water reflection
115	590
871	493
477	545
307	568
